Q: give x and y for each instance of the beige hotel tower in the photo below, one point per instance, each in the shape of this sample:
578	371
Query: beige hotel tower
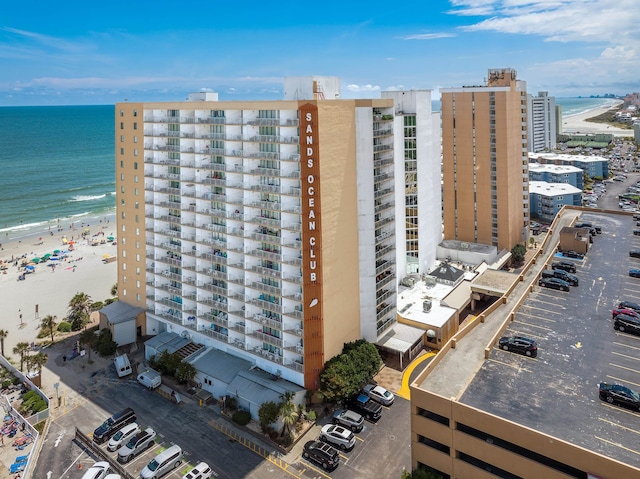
485	167
265	229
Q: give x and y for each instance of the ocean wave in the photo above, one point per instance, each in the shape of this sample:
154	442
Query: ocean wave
21	227
87	198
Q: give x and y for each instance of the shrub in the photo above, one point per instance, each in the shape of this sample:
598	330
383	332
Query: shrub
231	403
268	413
6	383
64	327
241	417
105	346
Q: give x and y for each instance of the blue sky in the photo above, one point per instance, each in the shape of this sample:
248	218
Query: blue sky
71	52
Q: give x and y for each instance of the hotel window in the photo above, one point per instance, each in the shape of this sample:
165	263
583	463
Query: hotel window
138	270
135	126
121	138
137	205
123	215
138	297
135	178
121	176
135	191
124	228
124	253
135	112
137	283
135	152
121	112
137	231
135	139
137	257
122	202
135	165
137	244
122	125
122	151
137	219
124	291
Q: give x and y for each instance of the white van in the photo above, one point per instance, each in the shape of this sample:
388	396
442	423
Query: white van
123	366
201	471
164	462
150	379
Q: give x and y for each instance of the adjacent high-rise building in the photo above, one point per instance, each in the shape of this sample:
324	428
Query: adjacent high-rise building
268	229
541	120
485	165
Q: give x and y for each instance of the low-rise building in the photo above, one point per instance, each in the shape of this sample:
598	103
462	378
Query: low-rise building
547	199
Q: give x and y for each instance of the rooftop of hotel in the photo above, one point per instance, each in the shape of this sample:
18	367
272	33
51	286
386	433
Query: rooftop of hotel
567	157
551	168
552	189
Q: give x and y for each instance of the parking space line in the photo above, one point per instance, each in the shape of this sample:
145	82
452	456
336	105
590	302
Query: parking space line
537	317
618	445
507	364
528	335
625	356
625	335
533	325
358	438
624	367
552	311
619	425
317	470
623	380
535	299
627	345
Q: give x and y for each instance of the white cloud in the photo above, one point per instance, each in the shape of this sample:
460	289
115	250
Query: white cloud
362	88
427	36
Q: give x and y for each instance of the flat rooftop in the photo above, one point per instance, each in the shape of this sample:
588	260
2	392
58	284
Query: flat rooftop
557	392
552	189
410	302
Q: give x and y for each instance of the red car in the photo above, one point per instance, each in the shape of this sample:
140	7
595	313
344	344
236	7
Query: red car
628	312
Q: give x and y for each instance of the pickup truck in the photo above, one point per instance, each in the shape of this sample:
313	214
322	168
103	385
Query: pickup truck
365	406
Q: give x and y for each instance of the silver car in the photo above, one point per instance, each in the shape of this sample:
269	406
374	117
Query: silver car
122	436
379	394
338	436
136	445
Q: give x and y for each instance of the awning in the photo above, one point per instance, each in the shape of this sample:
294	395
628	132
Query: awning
400	338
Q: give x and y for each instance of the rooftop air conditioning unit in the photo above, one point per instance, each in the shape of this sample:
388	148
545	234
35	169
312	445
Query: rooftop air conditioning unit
426	305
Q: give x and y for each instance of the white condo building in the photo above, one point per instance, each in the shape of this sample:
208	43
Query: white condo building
542	122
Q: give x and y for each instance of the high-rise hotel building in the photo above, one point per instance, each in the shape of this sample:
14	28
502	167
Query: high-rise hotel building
541	114
485	166
266	229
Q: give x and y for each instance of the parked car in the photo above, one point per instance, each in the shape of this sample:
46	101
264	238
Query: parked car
201	471
165	461
628	312
634	273
379	394
321	453
564	265
554	283
573	254
138	443
564	276
338	435
619	394
350	419
112	425
629	305
98	471
122	436
626	324
519	344
634	253
365	406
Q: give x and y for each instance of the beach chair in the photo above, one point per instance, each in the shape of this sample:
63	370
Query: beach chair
17	467
22	458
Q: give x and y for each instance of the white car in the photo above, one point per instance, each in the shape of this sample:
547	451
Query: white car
98	471
339	436
379	394
201	471
122	436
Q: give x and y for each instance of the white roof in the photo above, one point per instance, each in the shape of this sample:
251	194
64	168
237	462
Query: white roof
552	189
410	304
566	157
550	168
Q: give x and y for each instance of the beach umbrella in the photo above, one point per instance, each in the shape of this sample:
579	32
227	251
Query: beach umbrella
110	238
107	255
36	260
54	258
29	267
56	251
47	256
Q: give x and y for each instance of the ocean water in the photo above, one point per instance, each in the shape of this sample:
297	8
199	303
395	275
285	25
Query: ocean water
578	105
57	163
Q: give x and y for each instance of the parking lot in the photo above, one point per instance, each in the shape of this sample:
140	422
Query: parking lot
381	448
557	392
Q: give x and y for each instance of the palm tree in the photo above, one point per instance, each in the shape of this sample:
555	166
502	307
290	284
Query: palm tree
22	349
88	338
49	324
38	361
289	413
79	309
3	335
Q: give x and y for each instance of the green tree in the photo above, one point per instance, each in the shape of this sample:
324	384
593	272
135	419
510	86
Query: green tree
89	339
185	372
114	290
38	360
518	253
49	325
289	414
268	413
3	335
79	309
22	349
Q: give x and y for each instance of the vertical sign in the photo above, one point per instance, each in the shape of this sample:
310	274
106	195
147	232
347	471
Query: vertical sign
311	245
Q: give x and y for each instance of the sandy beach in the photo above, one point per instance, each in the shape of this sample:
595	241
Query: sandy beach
50	289
578	123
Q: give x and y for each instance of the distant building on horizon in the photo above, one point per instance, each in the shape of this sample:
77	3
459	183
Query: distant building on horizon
542	122
485	163
276	231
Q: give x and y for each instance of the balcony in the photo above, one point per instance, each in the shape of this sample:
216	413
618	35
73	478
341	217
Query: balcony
267	338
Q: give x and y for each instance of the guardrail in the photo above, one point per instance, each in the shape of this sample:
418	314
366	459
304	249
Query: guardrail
97	451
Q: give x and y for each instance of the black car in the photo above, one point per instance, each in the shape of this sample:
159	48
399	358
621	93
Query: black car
626	323
629	305
554	283
322	453
619	394
634	273
564	265
564	276
634	253
573	254
636	232
519	344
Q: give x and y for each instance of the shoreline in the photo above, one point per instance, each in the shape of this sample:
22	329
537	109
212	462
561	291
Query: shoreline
578	124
